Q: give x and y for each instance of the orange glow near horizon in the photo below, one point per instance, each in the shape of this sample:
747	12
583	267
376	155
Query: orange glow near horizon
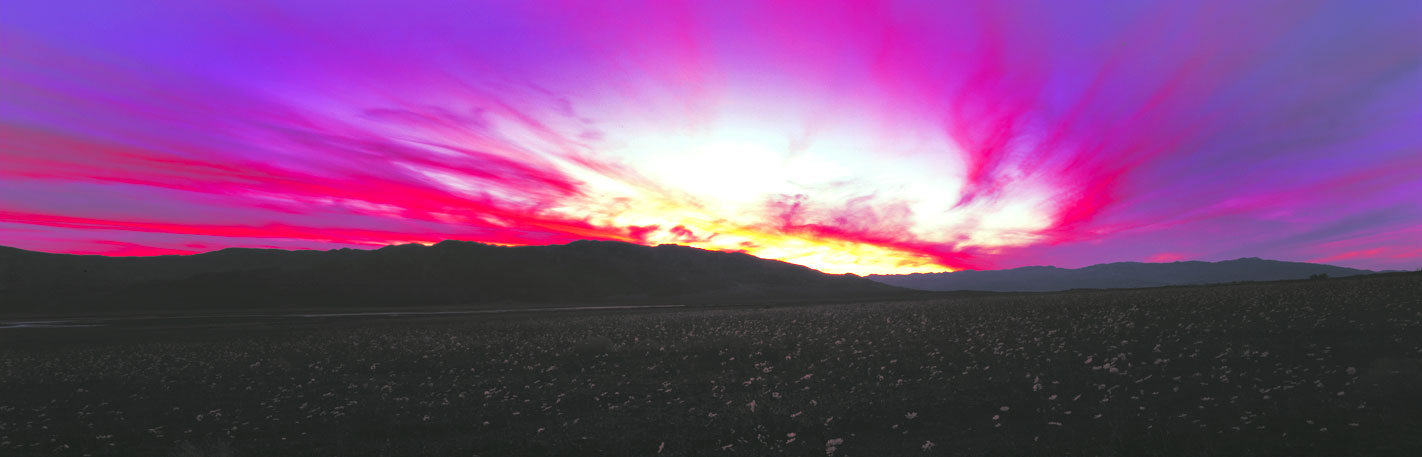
849	137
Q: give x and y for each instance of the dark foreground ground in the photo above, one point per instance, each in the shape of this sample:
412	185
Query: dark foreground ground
1303	368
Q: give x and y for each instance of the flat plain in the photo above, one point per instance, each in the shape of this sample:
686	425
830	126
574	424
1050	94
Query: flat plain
1325	367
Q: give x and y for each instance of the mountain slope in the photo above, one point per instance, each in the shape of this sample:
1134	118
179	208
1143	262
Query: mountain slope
1115	275
448	273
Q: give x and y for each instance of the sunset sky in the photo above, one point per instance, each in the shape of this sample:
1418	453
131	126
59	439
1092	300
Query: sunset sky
859	137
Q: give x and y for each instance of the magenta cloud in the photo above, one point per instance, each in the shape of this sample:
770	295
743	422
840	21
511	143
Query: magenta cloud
866	137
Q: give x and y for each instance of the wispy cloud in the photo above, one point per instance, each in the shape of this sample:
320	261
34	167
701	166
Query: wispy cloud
867	138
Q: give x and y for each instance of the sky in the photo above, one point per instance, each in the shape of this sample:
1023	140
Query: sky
850	137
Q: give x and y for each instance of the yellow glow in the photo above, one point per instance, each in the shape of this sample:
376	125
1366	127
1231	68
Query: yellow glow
711	232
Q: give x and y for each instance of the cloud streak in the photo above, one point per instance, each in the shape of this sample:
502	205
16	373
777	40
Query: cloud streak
853	137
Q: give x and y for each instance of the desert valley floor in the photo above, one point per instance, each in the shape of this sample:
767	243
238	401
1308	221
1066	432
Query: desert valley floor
1290	368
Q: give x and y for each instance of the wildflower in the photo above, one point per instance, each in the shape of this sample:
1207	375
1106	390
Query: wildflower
927	445
910	415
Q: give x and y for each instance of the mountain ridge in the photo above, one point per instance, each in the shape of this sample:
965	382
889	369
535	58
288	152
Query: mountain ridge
1115	275
443	274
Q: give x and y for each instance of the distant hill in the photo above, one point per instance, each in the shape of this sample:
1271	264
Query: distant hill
448	273
1115	275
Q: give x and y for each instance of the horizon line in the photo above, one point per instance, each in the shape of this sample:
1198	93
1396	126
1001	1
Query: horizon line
431	244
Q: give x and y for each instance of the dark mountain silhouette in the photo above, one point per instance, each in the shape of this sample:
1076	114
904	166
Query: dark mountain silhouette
448	273
1116	275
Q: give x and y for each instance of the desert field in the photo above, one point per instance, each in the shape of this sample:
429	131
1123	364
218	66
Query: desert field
1325	367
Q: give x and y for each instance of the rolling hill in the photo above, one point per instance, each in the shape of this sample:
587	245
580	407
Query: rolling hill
1115	275
447	273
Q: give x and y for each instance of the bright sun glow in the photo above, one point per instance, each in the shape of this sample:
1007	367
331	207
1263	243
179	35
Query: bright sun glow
864	137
